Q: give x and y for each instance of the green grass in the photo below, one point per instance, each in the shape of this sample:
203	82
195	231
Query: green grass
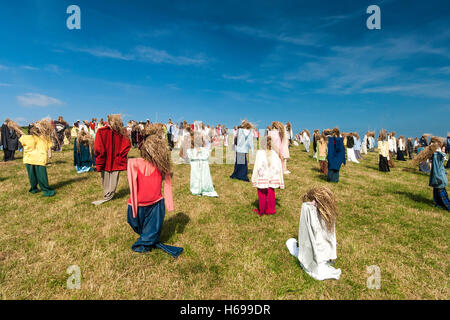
386	219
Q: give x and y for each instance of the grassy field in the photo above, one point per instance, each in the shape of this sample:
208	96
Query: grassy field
386	219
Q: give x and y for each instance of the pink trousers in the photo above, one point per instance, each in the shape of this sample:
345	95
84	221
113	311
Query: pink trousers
266	199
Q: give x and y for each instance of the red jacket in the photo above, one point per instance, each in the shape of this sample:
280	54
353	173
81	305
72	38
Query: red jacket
111	150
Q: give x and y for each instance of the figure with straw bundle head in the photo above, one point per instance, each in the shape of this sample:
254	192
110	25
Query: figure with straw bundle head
267	176
111	147
435	153
10	134
316	246
83	152
36	146
146	205
243	143
335	155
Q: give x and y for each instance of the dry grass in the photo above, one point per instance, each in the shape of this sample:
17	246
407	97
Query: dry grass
229	251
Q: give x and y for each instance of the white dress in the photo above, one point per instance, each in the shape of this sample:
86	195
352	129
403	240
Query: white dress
267	176
317	246
306	141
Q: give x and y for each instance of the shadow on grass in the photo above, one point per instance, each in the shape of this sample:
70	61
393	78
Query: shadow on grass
3	179
122	193
173	225
415	171
277	203
416	197
61	184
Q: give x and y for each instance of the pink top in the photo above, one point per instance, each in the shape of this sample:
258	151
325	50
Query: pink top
145	185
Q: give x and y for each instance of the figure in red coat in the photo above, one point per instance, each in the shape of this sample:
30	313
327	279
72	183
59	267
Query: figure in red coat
111	152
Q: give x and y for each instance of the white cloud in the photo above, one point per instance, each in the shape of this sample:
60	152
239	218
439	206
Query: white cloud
242	77
305	39
143	54
31	68
2	67
38	100
5	85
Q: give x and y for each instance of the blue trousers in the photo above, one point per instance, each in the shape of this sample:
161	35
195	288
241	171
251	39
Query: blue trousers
148	224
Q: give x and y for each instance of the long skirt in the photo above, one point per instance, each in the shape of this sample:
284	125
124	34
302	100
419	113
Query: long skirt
383	164
38	175
323	166
401	155
240	167
148	224
333	175
9	155
440	198
358	155
351	155
266	199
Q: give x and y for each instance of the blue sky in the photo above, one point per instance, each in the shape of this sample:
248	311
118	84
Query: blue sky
313	63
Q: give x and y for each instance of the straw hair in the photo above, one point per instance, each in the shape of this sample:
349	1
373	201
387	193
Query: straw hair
356	135
425	154
14	126
151	129
440	141
335	132
288	126
85	139
382	136
43	128
155	150
246	125
326	204
280	128
116	124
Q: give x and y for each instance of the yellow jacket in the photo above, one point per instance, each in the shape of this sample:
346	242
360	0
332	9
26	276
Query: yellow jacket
35	150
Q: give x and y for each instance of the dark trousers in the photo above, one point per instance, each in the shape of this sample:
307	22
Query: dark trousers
148	224
170	140
240	167
9	155
38	175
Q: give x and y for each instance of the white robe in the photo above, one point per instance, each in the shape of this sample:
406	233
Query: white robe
317	246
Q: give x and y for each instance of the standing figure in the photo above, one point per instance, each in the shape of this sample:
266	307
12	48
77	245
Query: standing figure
201	182
410	148
401	149
336	155
350	151
322	150
306	139
243	144
35	156
316	246
146	205
60	127
267	176
83	152
316	137
111	147
383	150
438	175
357	147
10	134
